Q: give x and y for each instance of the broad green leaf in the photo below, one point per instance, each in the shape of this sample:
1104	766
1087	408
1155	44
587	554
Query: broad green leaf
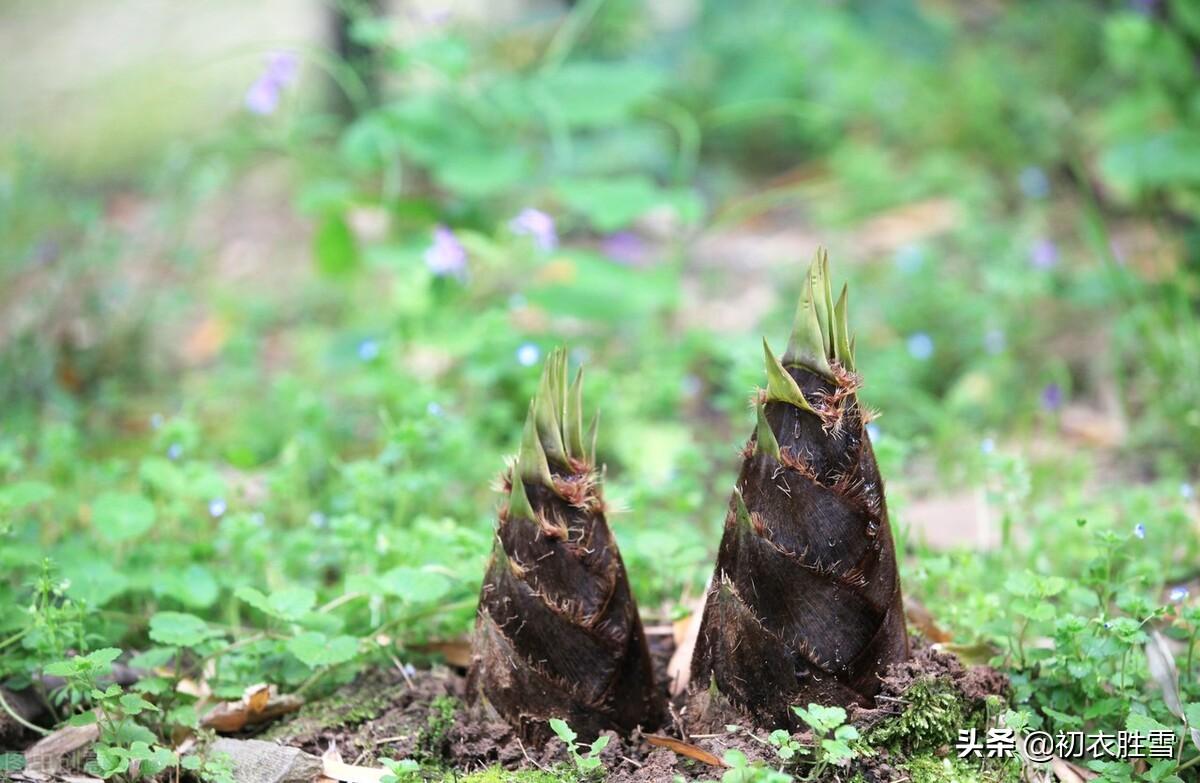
194	586
415	586
122	516
291	603
315	649
592	94
179	629
24	493
97	582
481	173
334	246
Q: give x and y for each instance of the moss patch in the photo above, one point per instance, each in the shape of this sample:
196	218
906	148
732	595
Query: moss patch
929	768
934	712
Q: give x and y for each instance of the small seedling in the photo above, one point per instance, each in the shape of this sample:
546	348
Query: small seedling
400	770
833	733
588	763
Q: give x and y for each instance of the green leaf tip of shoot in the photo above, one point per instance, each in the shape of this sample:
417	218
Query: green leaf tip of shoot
820	330
741	513
531	463
781	386
550	407
765	441
573	423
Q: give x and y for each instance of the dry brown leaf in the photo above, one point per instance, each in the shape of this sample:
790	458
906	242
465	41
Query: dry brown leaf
1161	663
205	341
456	652
920	618
679	668
259	704
46	754
256	697
685	749
333	767
907	224
1067	772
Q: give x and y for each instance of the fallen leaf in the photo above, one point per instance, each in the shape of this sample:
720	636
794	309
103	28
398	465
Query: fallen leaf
977	653
1067	772
259	704
256	697
456	652
333	767
920	618
685	749
45	756
1161	663
679	668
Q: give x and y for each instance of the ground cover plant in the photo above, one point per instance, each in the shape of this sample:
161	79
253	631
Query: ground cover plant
256	379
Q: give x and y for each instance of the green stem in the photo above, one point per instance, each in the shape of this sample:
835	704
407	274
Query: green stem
12	714
568	34
1187	667
13	639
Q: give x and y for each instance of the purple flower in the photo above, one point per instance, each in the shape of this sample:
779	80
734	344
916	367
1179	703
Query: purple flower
1139	530
537	224
1052	397
1043	254
1146	7
625	247
446	256
279	72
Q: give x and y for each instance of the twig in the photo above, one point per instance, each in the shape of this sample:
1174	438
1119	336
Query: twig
521	745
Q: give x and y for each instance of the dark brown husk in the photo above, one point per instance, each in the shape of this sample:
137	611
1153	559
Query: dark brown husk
557	632
805	604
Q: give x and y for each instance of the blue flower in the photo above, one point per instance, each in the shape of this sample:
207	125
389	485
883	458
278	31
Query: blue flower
446	256
217	507
279	72
1033	182
368	350
1139	530
987	445
537	224
1186	491
994	341
528	355
174	451
920	346
909	258
1178	595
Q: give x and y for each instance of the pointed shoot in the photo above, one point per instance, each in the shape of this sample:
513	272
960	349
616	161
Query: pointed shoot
782	387
765	441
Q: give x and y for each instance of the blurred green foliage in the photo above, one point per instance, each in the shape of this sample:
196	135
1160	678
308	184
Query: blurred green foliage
287	477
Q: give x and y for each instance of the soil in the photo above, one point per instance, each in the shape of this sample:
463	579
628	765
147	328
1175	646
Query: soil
423	716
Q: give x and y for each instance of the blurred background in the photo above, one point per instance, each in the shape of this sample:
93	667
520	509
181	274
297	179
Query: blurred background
277	279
